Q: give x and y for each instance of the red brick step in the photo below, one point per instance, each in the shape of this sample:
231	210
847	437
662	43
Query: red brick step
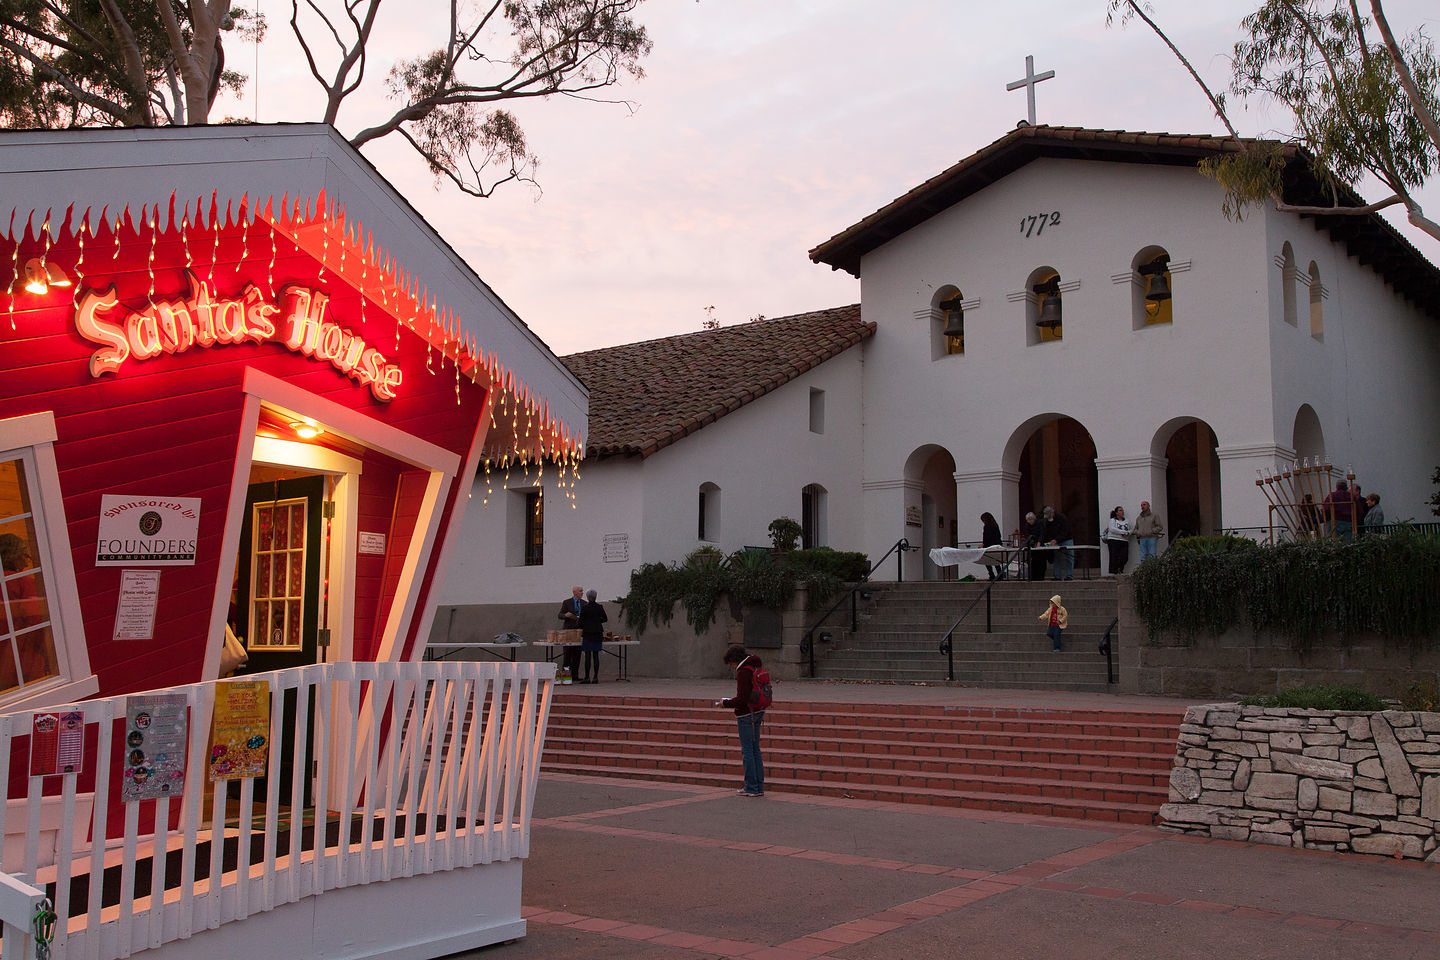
1089	764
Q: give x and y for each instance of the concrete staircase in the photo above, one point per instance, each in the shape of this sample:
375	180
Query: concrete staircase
1089	764
899	636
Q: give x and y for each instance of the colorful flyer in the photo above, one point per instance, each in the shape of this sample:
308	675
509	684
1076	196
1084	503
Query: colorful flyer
156	731
57	743
241	731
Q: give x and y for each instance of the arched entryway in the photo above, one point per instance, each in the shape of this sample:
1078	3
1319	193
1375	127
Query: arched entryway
1308	439
931	522
1054	457
1192	477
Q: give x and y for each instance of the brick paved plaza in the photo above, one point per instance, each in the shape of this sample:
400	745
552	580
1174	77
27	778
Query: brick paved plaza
623	869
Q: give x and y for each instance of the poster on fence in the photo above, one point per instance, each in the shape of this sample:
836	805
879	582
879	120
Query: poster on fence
240	735
57	743
155	738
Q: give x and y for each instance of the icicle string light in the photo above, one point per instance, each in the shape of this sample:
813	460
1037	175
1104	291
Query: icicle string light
314	230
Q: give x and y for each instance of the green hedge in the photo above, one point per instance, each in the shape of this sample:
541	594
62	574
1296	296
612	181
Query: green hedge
749	578
1387	586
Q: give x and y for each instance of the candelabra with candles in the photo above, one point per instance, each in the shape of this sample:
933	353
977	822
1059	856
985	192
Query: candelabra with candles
1297	496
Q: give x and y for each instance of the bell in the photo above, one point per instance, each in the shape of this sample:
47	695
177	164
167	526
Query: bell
1159	287
955	325
1049	312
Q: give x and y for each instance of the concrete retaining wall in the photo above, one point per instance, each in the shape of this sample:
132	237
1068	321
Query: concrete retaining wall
1327	780
1240	663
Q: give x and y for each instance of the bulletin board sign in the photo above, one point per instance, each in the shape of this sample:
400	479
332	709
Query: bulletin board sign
156	733
240	734
136	605
57	743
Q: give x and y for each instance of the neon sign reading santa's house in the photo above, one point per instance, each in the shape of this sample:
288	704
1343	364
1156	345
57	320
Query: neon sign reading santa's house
296	319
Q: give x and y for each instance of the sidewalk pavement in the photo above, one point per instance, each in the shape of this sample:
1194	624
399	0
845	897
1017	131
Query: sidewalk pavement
632	870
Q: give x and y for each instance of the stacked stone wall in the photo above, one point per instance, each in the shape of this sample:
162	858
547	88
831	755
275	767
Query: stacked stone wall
1327	780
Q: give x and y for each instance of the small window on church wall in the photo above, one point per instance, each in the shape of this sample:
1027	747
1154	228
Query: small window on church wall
1151	303
709	513
1287	283
812	517
1317	295
947	323
525	528
1043	306
817	410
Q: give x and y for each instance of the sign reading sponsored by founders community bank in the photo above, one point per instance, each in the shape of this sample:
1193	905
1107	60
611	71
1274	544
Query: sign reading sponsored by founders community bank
147	531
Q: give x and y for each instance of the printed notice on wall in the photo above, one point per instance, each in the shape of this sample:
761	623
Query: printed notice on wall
155	737
615	547
57	743
372	543
147	531
135	610
241	731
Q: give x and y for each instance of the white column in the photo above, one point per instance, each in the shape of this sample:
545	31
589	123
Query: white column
890	505
1242	504
1125	481
987	491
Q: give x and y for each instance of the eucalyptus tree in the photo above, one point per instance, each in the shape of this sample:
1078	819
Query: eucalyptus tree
143	63
1363	100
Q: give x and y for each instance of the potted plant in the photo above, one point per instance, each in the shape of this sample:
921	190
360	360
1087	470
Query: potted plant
784	534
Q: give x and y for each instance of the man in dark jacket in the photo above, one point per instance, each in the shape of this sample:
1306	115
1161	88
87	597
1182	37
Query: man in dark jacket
570	612
1032	530
1057	534
747	720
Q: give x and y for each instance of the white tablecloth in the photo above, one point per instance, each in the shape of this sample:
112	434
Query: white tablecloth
997	556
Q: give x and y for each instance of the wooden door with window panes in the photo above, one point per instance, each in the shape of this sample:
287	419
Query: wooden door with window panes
279	573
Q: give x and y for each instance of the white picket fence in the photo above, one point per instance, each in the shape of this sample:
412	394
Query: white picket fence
417	767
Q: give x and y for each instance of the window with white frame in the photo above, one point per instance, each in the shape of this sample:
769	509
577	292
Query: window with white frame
42	646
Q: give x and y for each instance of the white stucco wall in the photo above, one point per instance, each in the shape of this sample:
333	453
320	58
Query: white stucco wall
761	456
607	501
1371	377
1128	387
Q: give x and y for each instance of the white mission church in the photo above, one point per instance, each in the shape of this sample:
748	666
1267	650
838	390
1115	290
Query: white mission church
1009	351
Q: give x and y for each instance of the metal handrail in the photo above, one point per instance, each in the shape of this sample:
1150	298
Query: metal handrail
901	545
1105	648
947	645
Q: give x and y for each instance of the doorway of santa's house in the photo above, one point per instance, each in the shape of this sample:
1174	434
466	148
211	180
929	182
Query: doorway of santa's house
276	604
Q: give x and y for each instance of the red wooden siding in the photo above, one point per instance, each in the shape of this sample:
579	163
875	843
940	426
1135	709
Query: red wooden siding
168	426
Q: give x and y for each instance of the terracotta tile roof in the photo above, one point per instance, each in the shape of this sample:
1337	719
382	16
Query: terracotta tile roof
1370	238
645	396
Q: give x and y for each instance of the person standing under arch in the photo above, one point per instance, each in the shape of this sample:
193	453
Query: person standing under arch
990	536
1117	541
1148	529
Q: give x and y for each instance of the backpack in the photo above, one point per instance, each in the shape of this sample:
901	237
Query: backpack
761	694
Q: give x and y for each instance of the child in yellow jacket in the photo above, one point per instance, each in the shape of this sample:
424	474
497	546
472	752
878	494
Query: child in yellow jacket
1057	618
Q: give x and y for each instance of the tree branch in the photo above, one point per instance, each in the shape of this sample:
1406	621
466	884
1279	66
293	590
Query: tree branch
117	111
1215	103
1339	211
1407	79
438	165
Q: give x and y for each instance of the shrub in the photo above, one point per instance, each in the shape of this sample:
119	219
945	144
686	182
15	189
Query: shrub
785	533
1421	695
1387	585
1319	698
751	578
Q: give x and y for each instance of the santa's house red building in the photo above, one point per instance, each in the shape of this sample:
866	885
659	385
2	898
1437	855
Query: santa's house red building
244	392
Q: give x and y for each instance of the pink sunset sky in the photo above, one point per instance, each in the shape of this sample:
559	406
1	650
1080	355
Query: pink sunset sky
763	127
